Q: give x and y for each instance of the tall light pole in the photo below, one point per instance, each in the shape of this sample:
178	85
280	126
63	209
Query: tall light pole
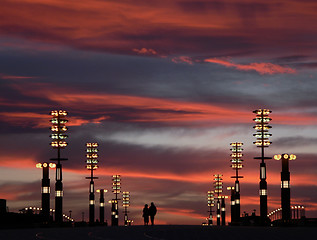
116	186
236	165
58	136
285	186
102	205
262	120
211	203
92	164
46	190
126	204
218	191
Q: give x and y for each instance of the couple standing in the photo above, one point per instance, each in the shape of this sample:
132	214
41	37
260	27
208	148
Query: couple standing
149	212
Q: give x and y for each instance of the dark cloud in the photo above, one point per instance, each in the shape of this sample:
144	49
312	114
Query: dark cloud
202	6
294	141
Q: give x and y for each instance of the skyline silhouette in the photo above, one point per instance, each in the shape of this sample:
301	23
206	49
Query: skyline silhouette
92	162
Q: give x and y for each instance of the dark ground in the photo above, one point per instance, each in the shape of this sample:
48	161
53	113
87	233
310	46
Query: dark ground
161	232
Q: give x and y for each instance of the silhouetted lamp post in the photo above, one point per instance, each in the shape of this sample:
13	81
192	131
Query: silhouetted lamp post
211	203
116	186
232	204
236	165
262	120
102	205
46	189
92	164
223	210
58	136
285	185
126	204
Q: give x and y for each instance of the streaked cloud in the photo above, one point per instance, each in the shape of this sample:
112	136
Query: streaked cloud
12	77
262	68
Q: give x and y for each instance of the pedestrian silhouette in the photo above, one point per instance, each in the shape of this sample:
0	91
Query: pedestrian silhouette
146	215
152	212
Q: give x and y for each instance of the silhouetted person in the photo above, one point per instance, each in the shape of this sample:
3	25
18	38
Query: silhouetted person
146	215
152	212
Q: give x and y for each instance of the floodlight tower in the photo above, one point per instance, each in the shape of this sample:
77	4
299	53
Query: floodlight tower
218	191
92	164
115	207
58	136
101	205
236	165
262	120
285	186
46	189
211	203
126	204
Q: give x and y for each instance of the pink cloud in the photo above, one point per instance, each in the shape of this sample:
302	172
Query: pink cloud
12	77
145	51
262	68
183	59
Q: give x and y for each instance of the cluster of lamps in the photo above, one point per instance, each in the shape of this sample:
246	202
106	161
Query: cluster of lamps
92	164
126	204
262	135
210	203
116	186
58	142
236	164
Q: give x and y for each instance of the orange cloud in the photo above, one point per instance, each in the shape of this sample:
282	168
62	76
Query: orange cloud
20	162
262	68
165	110
38	120
140	109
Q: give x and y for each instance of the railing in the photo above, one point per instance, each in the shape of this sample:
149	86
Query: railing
37	210
297	212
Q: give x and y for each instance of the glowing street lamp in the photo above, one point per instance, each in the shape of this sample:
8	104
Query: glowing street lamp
236	165
92	164
46	190
58	136
126	204
262	120
211	203
285	185
102	205
116	186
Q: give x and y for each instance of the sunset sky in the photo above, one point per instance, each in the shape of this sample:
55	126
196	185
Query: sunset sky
164	87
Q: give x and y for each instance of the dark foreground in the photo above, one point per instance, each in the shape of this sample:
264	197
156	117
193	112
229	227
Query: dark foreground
160	233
